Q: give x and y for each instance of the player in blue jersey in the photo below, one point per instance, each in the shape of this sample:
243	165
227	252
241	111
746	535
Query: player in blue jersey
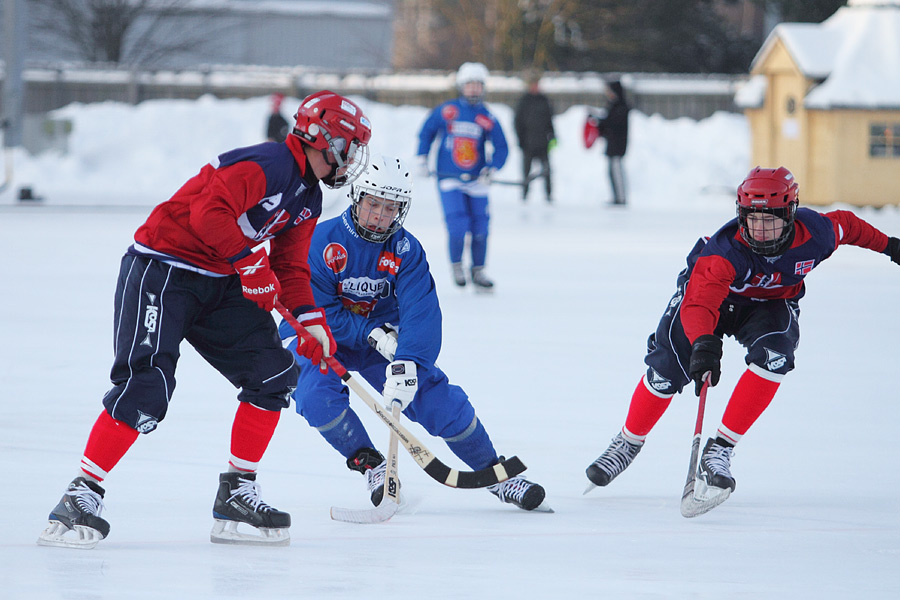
745	281
463	127
372	278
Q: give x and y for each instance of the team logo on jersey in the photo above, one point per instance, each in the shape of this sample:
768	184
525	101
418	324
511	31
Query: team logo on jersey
271	227
486	122
774	360
304	215
335	257
449	112
763	280
359	307
388	262
364	287
657	381
271	202
151	315
465	153
145	423
403	246
803	267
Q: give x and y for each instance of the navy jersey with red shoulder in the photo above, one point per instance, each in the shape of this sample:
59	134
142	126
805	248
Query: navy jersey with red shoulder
244	197
725	268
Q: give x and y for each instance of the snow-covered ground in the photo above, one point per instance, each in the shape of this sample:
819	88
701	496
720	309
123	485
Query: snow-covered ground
549	361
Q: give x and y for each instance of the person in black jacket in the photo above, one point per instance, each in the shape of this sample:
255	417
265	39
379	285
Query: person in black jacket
534	128
277	125
614	128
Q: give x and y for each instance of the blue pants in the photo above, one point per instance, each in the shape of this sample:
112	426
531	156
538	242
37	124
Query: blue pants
442	408
464	213
156	307
770	331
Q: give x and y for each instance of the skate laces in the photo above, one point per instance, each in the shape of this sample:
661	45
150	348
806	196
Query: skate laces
249	492
87	500
718	460
513	488
618	456
375	476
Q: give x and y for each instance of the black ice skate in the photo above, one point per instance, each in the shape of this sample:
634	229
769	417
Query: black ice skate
371	463
521	492
612	462
714	468
78	512
480	281
459	276
238	501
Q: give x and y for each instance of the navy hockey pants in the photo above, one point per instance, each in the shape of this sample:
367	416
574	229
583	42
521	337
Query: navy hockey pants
769	330
156	307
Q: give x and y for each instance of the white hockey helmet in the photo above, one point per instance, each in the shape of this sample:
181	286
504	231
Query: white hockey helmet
381	197
472	72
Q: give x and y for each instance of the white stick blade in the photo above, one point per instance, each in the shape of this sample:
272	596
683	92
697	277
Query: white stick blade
381	513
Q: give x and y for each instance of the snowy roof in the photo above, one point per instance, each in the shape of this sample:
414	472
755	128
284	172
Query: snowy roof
856	52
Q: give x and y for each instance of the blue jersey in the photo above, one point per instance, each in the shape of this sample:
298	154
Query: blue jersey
462	131
363	285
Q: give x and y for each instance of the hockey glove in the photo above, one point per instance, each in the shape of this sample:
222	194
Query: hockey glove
422	166
486	176
258	281
706	354
893	249
401	384
384	340
314	322
551	145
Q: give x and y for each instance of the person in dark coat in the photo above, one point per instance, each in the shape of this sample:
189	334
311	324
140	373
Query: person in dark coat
534	128
614	128
277	126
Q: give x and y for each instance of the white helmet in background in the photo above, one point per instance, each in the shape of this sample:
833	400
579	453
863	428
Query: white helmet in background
472	72
381	197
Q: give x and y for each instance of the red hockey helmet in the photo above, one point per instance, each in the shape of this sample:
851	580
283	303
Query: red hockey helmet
768	192
337	127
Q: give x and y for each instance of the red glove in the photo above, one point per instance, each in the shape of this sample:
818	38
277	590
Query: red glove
591	131
257	280
314	322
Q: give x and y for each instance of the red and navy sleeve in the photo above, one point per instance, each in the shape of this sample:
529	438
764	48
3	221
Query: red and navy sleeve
706	290
851	230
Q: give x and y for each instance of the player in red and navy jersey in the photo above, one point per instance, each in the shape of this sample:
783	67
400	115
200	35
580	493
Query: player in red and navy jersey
745	281
199	271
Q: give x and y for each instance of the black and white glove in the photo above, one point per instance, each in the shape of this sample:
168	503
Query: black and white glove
706	356
893	249
384	340
486	175
401	384
422	166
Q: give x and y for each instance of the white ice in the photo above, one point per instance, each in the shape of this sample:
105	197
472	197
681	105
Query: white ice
549	362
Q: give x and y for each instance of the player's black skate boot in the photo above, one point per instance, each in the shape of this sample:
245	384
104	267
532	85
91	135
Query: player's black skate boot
370	463
459	276
715	465
519	491
480	280
238	501
613	461
78	511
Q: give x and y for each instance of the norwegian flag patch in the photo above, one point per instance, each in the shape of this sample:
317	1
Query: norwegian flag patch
803	267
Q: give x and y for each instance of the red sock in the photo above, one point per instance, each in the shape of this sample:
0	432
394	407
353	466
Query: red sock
250	435
751	396
645	410
109	441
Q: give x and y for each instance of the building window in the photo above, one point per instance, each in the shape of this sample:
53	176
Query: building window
884	140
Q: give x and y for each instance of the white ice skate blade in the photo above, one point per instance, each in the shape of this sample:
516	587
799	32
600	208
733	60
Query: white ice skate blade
589	488
379	514
702	499
543	507
226	532
81	538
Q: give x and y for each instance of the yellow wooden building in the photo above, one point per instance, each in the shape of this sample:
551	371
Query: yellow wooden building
823	100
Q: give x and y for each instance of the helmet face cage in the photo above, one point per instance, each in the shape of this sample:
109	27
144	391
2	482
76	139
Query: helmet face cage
338	128
381	199
768	198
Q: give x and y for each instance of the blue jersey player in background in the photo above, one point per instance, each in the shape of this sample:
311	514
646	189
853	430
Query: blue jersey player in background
372	278
745	281
463	127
